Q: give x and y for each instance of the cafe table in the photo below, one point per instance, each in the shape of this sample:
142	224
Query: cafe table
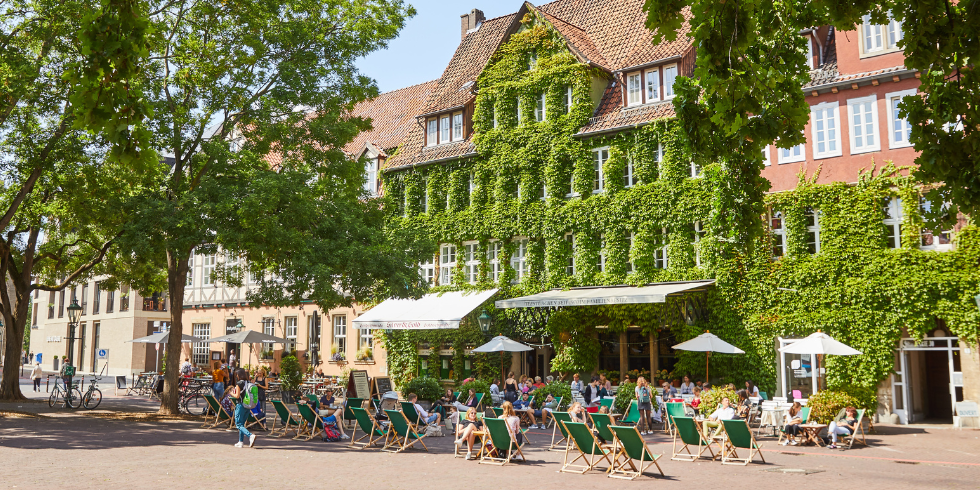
811	432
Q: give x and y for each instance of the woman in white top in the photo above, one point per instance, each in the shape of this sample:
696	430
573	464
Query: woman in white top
513	422
687	387
36	374
751	389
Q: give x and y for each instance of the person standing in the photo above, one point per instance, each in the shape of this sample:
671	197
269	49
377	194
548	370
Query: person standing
218	378
262	381
644	397
241	413
36	376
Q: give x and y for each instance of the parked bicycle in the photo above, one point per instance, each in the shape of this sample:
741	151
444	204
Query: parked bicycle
62	395
192	396
93	396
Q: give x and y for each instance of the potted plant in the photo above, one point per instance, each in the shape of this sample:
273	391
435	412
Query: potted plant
267	354
365	354
428	390
336	355
291	376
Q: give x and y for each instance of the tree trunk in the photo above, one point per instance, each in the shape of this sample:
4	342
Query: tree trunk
176	283
14	322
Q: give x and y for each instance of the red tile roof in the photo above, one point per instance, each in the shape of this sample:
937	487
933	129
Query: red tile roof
392	115
611	114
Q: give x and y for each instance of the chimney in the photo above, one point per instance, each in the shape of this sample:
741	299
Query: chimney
470	21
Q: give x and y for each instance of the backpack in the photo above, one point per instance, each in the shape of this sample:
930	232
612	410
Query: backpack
330	433
250	397
644	395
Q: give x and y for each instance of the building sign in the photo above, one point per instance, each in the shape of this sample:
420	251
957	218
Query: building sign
921	343
102	354
416	325
54	338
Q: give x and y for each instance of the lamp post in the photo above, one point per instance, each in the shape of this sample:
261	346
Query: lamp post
74	312
315	340
484	319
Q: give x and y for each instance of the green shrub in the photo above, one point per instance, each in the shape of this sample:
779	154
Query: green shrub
712	398
478	386
627	393
867	398
556	389
290	373
825	405
426	388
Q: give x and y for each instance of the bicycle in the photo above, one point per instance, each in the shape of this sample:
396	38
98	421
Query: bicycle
71	398
192	398
93	396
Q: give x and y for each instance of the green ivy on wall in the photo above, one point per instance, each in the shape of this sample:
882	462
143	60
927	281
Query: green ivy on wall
534	179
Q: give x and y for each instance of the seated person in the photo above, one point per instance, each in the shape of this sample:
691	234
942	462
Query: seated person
329	416
430	419
696	401
467	427
791	426
577	413
549	405
471	402
447	400
846	427
669	391
604	409
744	406
495	387
724	412
524	405
538	383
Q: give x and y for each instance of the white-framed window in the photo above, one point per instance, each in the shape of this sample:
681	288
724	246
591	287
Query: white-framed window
458	126
447	262
427	269
570	268
824	129
471	264
201	350
432	132
190	270
292	329
892	210
778	227
699	233
340	333
601	259
207	272
532	60
670	76
880	38
899	129
812	219
425	194
365	338
518	260
571	186
660	250
766	159
630	267
494	248
629	171
599	157
518	110
371	173
494	116
863	115
634	89
472	184
696	170
268	328
231	262
792	155
929	240
653	85
568	99
658	157
444	129
539	114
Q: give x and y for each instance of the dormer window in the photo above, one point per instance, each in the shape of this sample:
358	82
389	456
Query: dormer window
444	129
458	126
432	132
653	85
634	94
880	38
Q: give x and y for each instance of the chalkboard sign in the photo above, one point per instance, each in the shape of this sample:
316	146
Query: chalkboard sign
382	385
358	386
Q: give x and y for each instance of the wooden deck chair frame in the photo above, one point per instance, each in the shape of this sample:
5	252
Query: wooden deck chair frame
252	420
400	432
804	415
627	441
858	428
221	415
563	443
503	438
632	415
289	423
373	432
497	411
557	408
739	437
673	409
348	414
457	450
585	442
687	430
312	423
412	415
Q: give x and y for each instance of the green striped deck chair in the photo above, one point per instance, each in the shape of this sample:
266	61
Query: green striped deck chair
401	433
373	432
413	415
739	437
602	422
629	447
590	450
312	423
632	414
289	422
497	411
221	416
505	445
674	409
563	443
690	435
351	403
607	402
804	415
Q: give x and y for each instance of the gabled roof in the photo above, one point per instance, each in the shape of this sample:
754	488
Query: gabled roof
392	115
578	41
611	115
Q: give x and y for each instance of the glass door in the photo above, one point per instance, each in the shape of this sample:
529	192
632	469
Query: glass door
801	373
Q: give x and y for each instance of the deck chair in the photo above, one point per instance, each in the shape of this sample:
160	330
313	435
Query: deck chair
557	407
739	437
563	443
374	433
497	411
504	443
413	416
401	433
607	402
859	428
763	395
289	422
629	446
221	415
674	409
458	449
804	415
690	435
590	450
601	422
252	421
351	403
632	414
312	423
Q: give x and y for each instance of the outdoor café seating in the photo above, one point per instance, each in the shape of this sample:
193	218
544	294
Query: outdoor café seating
739	437
402	434
503	441
590	450
290	423
373	432
629	446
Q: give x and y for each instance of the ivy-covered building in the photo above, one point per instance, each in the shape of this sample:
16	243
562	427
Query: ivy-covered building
546	157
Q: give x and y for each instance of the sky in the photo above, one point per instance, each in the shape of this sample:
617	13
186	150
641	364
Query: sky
427	42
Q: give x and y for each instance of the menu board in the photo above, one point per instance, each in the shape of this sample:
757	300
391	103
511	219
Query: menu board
358	385
382	385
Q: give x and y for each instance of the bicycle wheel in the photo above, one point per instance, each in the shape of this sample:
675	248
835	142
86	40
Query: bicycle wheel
53	399
92	399
74	398
195	405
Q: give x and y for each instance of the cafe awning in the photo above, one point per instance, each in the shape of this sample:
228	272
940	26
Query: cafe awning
605	295
436	310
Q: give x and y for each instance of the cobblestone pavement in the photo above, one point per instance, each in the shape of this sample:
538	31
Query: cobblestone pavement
94	450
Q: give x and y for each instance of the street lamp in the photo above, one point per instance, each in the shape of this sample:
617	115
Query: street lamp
74	312
484	320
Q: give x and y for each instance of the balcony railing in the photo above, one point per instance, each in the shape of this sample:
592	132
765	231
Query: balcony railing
154	305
